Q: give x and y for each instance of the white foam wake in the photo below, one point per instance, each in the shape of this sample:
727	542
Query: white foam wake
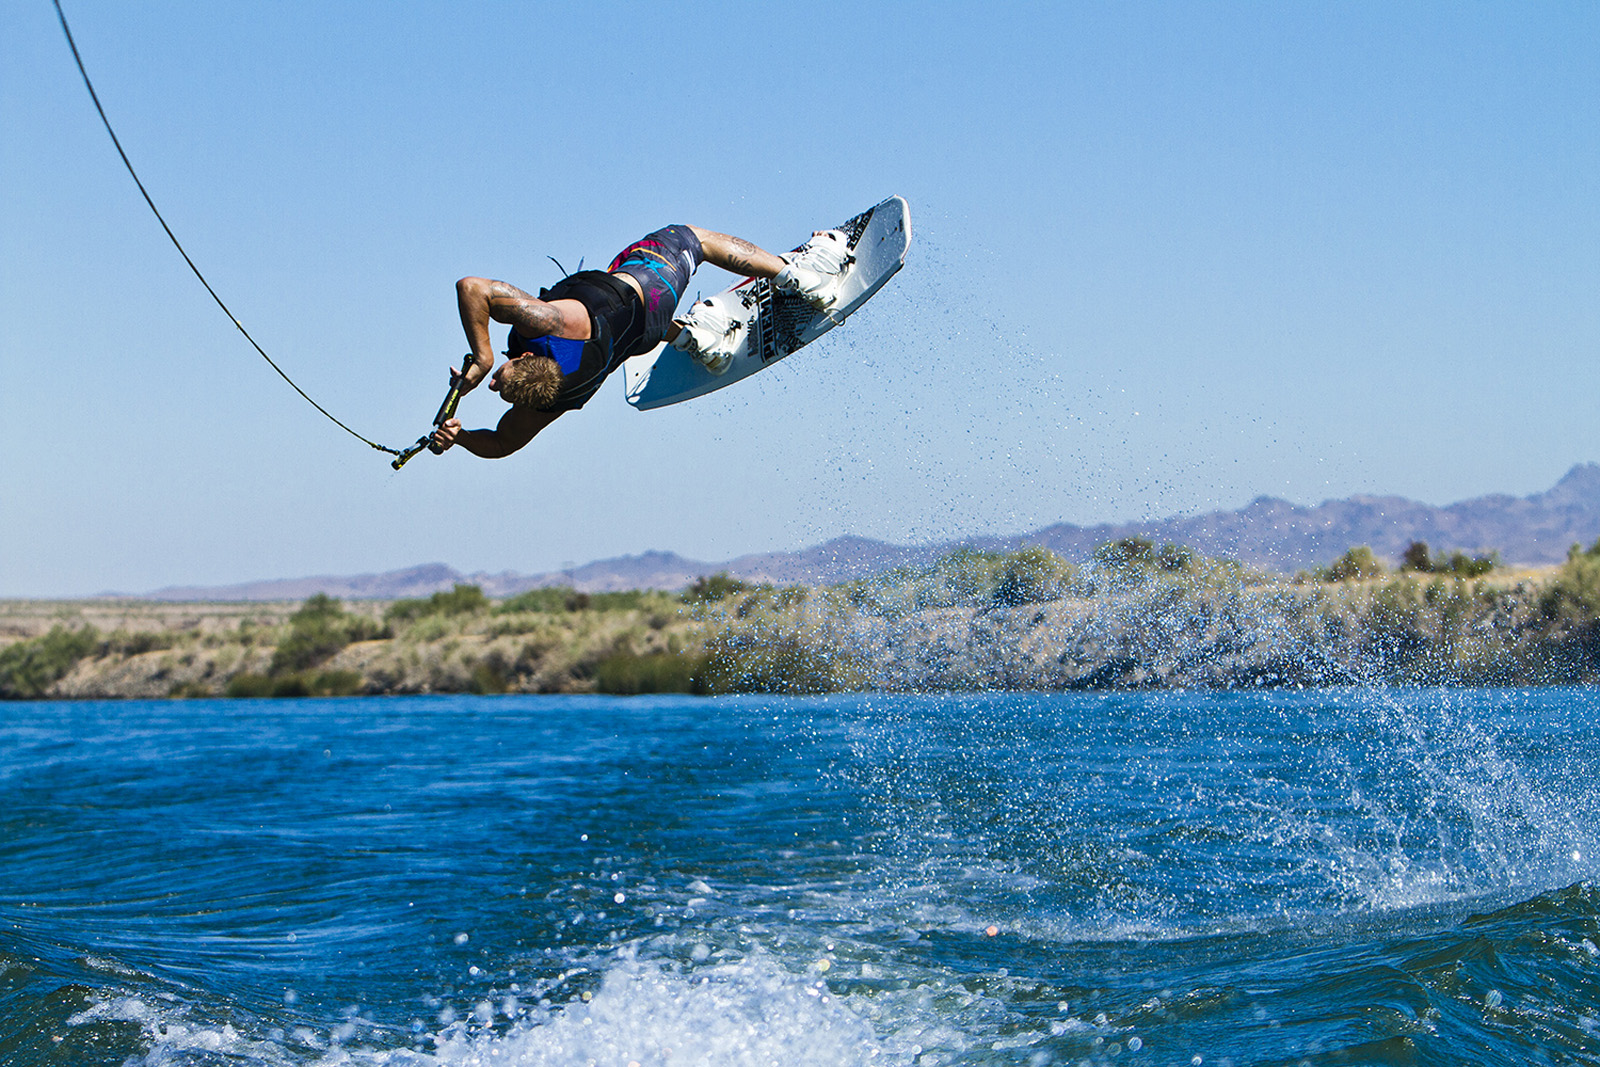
751	1013
742	1014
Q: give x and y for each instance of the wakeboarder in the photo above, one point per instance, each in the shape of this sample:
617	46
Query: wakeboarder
564	342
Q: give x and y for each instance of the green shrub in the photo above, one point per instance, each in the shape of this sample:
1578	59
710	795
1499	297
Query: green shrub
1395	630
28	668
1417	558
488	677
1032	575
719	586
1177	559
774	663
462	600
551	600
559	598
336	683
1355	564
967	577
317	632
1125	564
789	596
297	684
306	646
1465	566
138	642
626	674
246	684
1126	553
889	595
1574	596
430	628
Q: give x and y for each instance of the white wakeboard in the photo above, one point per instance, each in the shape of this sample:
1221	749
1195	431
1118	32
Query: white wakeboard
778	322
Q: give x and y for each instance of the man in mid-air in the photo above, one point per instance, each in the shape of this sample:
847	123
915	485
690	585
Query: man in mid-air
564	342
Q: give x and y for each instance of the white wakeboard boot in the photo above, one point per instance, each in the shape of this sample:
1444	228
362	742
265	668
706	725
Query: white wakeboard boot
817	270
710	335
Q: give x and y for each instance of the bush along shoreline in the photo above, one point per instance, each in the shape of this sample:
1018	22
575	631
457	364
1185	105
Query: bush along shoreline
1134	616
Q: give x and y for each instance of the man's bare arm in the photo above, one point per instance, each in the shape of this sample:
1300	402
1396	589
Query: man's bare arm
482	300
516	428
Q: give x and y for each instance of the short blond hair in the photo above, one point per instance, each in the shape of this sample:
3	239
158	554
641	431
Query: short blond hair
531	382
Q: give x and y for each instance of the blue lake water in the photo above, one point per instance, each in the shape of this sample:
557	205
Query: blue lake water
1334	877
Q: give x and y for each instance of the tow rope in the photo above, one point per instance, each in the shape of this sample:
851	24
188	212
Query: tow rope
455	395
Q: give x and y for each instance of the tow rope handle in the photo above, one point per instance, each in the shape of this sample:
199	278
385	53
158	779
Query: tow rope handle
446	410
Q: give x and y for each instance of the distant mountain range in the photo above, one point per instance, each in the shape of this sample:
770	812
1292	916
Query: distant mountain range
1268	533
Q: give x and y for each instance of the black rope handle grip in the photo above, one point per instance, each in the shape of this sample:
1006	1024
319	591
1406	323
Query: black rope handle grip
447	410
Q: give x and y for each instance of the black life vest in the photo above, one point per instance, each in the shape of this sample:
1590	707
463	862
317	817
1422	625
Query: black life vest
616	331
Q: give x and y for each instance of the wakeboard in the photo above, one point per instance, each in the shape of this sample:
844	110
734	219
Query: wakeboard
778	323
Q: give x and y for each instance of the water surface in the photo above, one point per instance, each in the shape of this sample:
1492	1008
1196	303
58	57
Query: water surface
1280	878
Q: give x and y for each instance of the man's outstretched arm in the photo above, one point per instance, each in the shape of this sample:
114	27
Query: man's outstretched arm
482	300
516	428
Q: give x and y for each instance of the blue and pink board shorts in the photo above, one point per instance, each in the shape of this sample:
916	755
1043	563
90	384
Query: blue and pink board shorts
662	264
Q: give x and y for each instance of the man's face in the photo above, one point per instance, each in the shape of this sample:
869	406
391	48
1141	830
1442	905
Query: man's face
494	379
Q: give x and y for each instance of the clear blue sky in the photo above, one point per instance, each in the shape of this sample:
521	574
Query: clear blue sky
1168	257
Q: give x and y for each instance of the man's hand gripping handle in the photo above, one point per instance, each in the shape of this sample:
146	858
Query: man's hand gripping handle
446	410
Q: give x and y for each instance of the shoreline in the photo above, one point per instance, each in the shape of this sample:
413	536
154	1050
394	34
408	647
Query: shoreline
1134	618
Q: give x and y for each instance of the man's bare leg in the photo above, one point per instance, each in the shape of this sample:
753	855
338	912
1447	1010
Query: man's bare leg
814	272
737	255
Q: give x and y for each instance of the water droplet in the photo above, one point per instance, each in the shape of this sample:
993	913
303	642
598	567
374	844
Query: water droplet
619	897
1493	999
461	939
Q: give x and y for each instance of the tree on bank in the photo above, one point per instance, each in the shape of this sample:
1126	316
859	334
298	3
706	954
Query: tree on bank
1356	564
1419	559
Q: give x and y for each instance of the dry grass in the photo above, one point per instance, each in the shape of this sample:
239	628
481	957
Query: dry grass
1203	625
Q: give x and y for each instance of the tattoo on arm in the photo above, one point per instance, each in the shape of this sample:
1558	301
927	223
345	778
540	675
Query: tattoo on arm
739	255
532	316
508	291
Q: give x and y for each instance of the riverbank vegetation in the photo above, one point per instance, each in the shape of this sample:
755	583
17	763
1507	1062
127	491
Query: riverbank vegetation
1136	615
